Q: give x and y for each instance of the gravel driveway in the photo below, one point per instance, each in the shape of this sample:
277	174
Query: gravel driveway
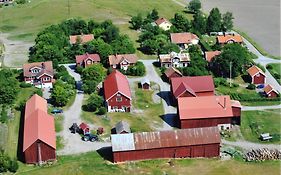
250	145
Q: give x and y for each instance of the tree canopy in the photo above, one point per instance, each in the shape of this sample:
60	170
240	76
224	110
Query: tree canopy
227	21
214	21
194	6
9	87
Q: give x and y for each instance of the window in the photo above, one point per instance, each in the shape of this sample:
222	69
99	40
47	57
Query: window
118	98
35	71
46	79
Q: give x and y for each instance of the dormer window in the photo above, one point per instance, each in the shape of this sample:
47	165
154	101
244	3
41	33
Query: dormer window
35	70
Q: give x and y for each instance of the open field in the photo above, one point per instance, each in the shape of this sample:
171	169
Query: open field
256	122
276	69
92	162
258	18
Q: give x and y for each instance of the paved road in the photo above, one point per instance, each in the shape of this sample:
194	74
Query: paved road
250	145
255	108
73	142
169	110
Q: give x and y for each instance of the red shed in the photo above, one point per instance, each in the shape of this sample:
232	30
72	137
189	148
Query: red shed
39	138
194	112
117	92
195	142
145	84
84	128
270	92
257	75
87	59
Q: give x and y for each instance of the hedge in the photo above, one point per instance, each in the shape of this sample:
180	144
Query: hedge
249	97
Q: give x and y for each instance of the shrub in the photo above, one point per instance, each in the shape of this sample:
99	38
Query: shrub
220	81
137	70
25	85
163	69
235	85
3	115
261	67
102	111
38	92
79	69
276	75
21	1
94	102
251	86
13	166
6	164
269	66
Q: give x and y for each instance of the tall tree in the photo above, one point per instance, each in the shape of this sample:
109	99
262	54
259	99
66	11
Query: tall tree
9	87
227	21
199	23
136	21
194	6
180	23
214	21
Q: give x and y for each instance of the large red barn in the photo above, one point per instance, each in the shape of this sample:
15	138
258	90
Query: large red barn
195	112
117	92
195	142
39	138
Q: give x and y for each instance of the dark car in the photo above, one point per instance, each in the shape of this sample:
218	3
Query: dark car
90	137
261	86
57	111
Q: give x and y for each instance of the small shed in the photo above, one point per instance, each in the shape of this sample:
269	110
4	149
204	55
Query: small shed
145	83
122	127
84	128
257	75
270	92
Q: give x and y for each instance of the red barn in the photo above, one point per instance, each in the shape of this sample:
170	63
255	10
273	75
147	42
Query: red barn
84	128
257	75
195	112
39	74
195	142
192	86
172	72
87	59
117	92
39	138
270	92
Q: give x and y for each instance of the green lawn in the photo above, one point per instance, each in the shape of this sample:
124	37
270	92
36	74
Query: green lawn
93	163
211	40
59	142
3	135
256	122
276	69
58	123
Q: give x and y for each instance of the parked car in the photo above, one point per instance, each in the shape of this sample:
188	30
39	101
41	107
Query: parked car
74	128
90	137
261	86
57	111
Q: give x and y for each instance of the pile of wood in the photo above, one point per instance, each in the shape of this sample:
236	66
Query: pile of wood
263	154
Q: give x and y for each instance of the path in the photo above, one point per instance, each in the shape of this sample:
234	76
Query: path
73	143
169	110
250	145
255	108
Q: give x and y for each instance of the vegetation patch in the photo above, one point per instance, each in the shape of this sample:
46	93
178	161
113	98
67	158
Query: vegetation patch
275	71
59	143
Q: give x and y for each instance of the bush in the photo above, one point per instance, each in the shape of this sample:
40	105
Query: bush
3	115
220	81
261	67
235	85
13	166
79	69
102	111
251	87
276	75
269	66
21	1
137	70
25	85
93	102
38	92
163	69
6	164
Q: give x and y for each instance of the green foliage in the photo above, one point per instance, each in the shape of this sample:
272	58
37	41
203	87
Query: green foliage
123	45
93	102
9	87
220	81
7	164
199	23
61	93
102	111
63	75
214	21
21	1
269	66
227	22
152	16
136	21
261	67
251	87
194	6
3	115
25	85
180	23
38	92
137	70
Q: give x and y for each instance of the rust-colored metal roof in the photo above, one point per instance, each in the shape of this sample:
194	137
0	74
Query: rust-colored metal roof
166	139
84	126
204	107
161	20
44	67
114	83
34	103
267	89
254	70
196	83
211	54
81	58
183	38
183	88
236	103
117	59
83	38
222	39
172	70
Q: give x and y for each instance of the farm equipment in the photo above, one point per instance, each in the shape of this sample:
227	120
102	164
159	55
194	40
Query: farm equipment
74	128
90	137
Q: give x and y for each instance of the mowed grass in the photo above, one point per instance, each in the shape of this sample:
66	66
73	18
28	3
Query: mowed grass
25	21
255	123
276	69
93	163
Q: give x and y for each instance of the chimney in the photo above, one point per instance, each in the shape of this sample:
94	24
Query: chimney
224	103
43	65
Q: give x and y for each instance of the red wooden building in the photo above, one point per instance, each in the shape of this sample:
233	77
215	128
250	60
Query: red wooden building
84	128
257	75
172	72
270	92
145	84
117	93
195	112
87	59
195	142
192	86
39	74
39	138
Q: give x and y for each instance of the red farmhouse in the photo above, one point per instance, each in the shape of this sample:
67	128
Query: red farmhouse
195	142
39	74
257	75
196	112
87	59
270	92
117	92
192	86
39	138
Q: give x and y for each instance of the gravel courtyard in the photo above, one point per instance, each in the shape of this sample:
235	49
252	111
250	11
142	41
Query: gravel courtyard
260	19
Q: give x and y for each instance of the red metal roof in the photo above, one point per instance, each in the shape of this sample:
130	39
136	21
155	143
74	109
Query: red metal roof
211	54
183	88
254	70
84	38
34	103
161	20
116	82
172	70
166	139
183	38
93	57
226	38
195	83
83	126
204	107
267	89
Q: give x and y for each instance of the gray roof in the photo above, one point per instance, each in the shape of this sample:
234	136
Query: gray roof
122	126
122	142
145	80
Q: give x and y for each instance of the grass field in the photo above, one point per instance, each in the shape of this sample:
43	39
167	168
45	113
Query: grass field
256	122
276	69
93	163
